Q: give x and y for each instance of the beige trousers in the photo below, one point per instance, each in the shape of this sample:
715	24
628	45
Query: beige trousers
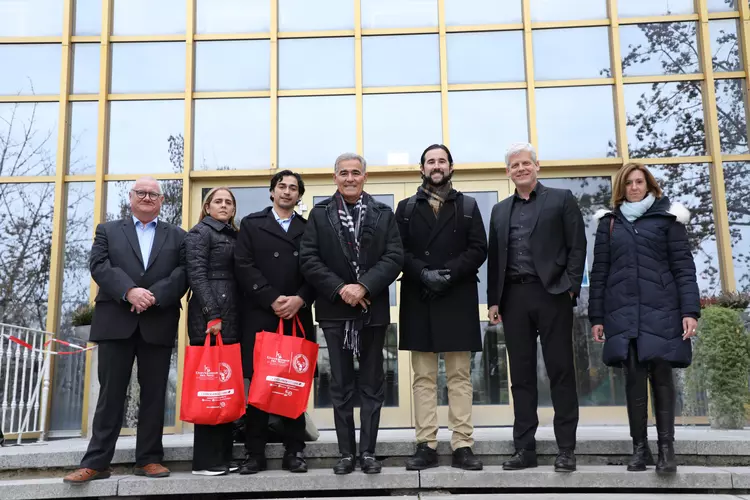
460	397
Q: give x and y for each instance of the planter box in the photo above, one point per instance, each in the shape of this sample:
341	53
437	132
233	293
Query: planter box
82	332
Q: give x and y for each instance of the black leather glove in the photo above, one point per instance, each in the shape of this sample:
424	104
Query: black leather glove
436	280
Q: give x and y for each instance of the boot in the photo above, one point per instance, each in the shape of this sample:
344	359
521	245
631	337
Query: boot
641	456
664	399
636	393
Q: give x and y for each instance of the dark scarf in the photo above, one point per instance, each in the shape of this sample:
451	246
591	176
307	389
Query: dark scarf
436	195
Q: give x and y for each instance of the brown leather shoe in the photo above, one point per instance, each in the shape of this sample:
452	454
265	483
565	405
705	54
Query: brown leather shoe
152	471
84	475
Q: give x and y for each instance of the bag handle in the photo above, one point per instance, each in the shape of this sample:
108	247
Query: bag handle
219	341
295	321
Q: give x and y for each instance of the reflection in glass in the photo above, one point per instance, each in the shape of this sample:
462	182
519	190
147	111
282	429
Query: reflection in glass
400	60
665	119
82	153
68	382
730	102
232	134
564	54
233	16
485	57
321	390
721	5
485	201
88	18
232	65
249	200
659	49
313	131
397	127
399	13
304	15
146	137
640	8
477	132
554	10
389	200
31	18
30	69
26	212
310	63
737	188
588	115
468	12
148	67
146	17
28	138
725	45
86	68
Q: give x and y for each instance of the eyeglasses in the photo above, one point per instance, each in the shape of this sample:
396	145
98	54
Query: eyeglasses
142	194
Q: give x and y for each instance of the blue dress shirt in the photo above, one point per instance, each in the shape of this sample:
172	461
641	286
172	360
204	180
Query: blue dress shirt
284	223
146	235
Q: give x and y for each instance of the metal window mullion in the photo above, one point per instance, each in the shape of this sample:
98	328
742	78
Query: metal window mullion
274	84
621	121
358	103
528	45
443	72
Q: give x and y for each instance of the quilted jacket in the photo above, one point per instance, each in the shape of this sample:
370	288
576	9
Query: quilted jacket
643	282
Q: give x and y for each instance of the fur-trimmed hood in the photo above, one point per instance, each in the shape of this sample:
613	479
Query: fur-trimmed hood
678	210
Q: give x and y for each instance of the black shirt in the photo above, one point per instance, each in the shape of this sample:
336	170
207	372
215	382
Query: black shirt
520	260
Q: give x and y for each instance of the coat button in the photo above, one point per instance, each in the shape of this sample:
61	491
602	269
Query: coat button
143	274
255	287
296	253
427	253
223	295
276	254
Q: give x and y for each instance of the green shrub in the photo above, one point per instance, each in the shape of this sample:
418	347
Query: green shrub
722	361
83	315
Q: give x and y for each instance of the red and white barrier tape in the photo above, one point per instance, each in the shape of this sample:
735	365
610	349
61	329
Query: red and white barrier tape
45	350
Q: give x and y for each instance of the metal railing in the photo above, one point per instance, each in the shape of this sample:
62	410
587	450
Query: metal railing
24	381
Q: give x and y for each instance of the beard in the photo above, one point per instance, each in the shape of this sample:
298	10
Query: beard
442	182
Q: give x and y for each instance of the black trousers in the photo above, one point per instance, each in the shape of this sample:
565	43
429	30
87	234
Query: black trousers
212	446
528	311
343	384
257	432
115	364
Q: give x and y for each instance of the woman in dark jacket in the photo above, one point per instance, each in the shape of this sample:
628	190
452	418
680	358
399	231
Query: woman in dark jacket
210	271
644	297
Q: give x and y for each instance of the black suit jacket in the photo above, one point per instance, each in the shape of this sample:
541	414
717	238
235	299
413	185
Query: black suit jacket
117	266
558	243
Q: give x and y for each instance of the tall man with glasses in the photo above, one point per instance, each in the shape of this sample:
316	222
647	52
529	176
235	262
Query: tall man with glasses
139	265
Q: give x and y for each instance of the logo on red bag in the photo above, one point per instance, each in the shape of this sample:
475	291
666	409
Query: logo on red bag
300	363
277	360
225	372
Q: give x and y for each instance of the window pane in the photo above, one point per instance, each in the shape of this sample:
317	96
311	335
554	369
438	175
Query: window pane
28	138
484	123
304	15
737	187
26	212
146	17
232	65
721	5
485	57
249	200
390	134
313	131
725	46
399	13
30	69
638	8
86	68
588	115
118	202
659	49
82	153
665	119
563	54
731	96
145	137
233	16
389	200
468	12
308	63
555	10
31	18
232	134
88	17
148	67
400	60
486	200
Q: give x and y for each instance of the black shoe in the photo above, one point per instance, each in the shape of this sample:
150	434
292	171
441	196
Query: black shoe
521	459
641	457
294	462
369	464
565	461
464	458
345	465
424	458
667	463
253	465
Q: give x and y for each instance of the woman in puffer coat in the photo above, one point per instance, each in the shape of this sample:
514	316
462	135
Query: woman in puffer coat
644	298
209	246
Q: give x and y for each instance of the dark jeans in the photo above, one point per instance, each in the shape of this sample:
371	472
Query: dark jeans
257	432
212	446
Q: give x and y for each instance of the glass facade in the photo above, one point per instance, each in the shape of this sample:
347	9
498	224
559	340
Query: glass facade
210	92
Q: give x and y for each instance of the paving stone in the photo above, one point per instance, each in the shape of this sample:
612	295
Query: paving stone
27	489
585	477
726	446
740	477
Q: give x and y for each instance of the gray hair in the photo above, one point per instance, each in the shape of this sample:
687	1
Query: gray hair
347	157
519	147
146	178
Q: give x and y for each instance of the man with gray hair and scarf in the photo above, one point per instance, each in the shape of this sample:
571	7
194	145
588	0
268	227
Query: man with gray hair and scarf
351	252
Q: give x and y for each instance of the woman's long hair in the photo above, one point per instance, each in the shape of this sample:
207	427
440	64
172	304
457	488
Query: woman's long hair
210	196
619	188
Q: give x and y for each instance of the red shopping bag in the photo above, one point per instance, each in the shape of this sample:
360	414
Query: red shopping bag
283	369
212	387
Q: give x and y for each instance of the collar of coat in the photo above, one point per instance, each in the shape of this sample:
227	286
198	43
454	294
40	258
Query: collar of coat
217	225
676	210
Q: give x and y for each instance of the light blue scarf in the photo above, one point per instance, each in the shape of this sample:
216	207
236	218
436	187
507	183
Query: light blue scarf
634	210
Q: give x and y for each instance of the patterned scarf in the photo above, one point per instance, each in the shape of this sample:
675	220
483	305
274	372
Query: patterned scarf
436	195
